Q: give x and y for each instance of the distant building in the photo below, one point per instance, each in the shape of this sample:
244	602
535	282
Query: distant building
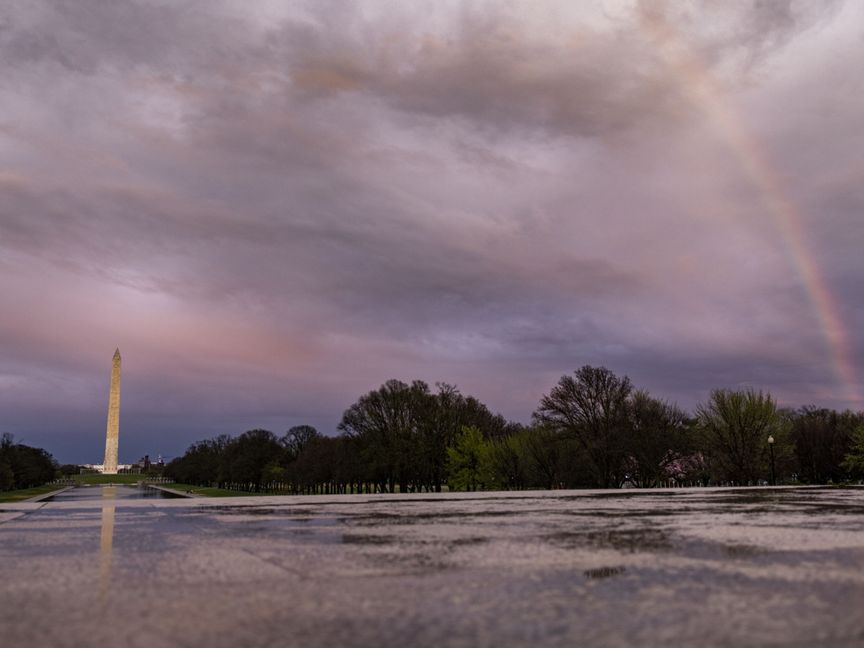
100	468
142	466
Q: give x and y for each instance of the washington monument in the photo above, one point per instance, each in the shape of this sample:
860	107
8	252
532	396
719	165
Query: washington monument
113	434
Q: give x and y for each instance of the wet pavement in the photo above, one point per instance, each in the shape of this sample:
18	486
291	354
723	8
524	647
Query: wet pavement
110	566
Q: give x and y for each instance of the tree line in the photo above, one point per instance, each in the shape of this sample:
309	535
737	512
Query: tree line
23	466
592	429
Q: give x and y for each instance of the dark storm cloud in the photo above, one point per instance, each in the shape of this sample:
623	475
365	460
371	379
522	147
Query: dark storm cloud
744	32
377	271
490	71
587	87
89	36
274	208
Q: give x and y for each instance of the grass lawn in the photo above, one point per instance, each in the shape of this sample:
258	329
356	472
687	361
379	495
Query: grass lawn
206	491
27	493
108	479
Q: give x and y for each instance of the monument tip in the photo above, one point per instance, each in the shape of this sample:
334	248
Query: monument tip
117	352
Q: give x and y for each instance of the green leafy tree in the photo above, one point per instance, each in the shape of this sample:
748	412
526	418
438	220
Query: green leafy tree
273	473
466	460
853	463
442	423
735	426
507	462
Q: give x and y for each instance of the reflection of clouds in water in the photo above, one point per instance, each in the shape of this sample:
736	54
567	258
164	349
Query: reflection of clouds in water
106	544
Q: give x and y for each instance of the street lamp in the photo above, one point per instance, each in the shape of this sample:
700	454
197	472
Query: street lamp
771	448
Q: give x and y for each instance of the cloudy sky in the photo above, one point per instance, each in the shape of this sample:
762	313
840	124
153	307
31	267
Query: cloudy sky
273	207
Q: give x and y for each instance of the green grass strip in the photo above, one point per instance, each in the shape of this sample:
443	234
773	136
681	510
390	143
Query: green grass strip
206	491
108	479
27	493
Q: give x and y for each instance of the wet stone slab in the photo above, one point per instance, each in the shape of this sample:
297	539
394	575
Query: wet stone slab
717	567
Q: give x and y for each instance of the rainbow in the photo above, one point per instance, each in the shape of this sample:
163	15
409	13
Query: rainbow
699	85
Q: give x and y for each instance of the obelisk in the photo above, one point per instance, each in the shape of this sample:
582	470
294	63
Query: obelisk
113	434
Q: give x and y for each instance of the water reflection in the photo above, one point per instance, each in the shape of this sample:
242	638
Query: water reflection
117	492
495	571
106	544
110	495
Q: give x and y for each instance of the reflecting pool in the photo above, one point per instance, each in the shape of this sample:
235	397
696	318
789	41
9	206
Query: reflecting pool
760	566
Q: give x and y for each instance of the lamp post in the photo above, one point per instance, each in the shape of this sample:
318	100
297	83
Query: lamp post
771	449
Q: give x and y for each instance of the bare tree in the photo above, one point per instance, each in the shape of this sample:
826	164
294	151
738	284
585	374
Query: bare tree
297	438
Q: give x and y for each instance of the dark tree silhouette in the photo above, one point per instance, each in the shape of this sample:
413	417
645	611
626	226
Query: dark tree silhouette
657	432
591	406
297	438
204	463
248	457
23	466
591	430
822	439
403	431
386	424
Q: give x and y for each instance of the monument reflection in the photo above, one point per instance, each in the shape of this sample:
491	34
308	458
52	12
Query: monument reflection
106	544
